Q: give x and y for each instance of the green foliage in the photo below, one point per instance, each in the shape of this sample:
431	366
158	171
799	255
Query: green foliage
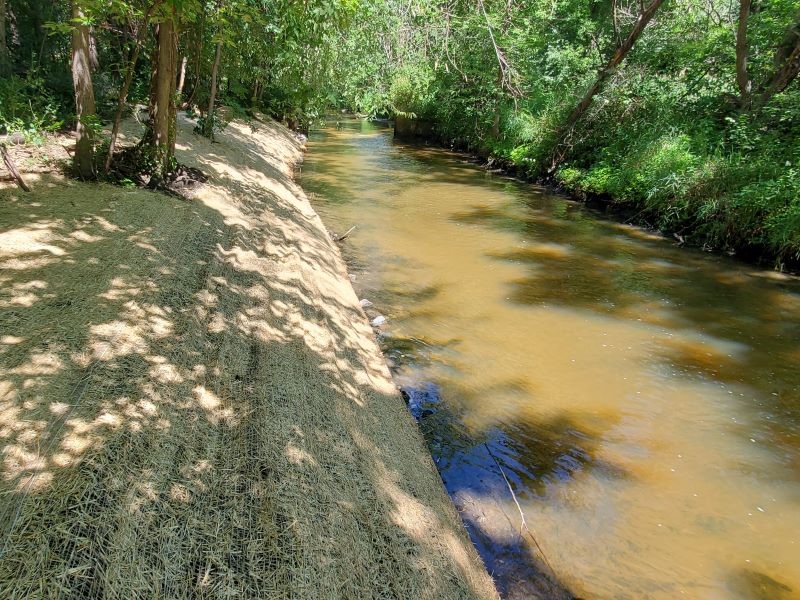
665	136
209	125
286	50
411	93
27	107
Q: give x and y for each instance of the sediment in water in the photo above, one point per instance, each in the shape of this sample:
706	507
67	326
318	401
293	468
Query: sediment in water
192	403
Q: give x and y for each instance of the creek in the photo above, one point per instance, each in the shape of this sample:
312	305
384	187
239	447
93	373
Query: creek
641	400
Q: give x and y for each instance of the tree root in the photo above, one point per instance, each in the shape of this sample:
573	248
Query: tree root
134	166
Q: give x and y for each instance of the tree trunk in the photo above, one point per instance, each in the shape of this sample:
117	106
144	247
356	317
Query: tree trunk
787	65
161	134
619	55
213	95
94	59
83	160
613	63
4	56
197	56
742	77
123	92
254	95
781	78
182	75
497	105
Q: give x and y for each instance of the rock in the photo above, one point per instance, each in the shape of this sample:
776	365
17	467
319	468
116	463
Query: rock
365	303
378	321
353	277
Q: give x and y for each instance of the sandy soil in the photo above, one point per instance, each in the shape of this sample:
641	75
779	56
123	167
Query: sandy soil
192	403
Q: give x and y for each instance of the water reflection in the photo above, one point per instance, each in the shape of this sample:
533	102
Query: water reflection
642	400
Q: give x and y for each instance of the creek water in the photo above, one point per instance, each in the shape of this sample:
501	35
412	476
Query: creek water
641	400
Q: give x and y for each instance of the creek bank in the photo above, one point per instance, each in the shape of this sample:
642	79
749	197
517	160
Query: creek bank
192	401
412	131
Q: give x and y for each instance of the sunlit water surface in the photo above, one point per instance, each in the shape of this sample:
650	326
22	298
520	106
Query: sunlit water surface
643	400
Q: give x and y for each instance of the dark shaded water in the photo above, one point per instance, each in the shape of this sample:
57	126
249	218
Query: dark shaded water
642	400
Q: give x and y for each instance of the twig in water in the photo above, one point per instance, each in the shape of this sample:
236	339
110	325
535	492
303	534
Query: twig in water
345	234
522	524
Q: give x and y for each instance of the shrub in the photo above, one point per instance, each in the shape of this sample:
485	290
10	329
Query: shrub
27	107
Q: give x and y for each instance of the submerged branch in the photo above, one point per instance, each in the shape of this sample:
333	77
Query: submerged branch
523	523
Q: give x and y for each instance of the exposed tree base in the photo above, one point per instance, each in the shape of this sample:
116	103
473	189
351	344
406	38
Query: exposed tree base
134	165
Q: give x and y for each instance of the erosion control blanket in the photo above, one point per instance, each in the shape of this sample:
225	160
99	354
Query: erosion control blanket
192	403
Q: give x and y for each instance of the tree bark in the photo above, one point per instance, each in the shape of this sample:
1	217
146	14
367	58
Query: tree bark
254	95
213	95
742	77
161	134
94	59
182	75
83	160
123	92
4	56
260	93
619	55
197	56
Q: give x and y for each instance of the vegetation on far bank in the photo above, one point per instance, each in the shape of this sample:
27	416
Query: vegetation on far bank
686	112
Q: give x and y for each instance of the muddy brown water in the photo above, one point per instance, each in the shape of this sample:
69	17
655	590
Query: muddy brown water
642	400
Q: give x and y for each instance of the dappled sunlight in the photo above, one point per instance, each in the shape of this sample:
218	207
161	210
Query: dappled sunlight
119	289
214	408
421	522
118	338
37	237
23	294
196	377
39	363
548	250
24	264
298	456
232	215
246	260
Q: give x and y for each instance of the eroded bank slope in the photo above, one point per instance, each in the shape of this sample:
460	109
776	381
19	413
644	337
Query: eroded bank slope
192	403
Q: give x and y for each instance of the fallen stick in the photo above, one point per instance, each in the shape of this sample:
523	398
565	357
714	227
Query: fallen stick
345	234
12	168
523	524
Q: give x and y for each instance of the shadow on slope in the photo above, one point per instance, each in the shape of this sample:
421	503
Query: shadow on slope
191	404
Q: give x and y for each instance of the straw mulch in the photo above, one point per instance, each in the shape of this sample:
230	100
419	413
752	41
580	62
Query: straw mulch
192	405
